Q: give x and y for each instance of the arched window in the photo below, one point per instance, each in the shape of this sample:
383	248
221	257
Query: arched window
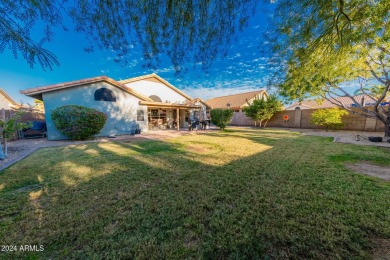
104	94
155	98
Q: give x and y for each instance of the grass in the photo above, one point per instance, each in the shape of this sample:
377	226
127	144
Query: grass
234	194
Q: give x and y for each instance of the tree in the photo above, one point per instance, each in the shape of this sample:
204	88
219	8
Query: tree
322	45
189	30
263	109
273	105
221	117
8	127
38	105
330	118
256	110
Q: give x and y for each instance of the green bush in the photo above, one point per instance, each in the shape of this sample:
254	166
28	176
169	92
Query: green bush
330	118
221	117
78	122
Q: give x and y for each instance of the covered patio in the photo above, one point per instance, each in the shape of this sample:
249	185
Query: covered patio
163	116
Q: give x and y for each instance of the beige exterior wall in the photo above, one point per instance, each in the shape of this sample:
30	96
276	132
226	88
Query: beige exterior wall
4	103
152	86
301	119
350	121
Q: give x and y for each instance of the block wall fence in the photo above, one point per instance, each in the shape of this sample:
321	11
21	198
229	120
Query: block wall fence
300	118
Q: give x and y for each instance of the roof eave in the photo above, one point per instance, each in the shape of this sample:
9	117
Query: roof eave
168	105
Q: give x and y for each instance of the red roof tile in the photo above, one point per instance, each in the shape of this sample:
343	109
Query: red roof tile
235	101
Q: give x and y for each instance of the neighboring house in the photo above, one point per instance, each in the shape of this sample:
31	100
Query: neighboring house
147	102
238	102
6	102
346	101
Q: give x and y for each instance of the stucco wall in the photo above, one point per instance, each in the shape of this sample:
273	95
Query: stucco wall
239	118
303	116
148	87
121	115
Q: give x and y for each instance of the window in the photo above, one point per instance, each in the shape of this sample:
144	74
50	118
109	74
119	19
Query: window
104	94
155	98
140	115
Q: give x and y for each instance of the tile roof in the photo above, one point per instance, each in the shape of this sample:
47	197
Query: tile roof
155	76
43	89
346	101
195	100
235	101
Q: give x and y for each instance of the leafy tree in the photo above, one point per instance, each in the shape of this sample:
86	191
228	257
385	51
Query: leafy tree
256	110
221	117
273	105
330	118
8	127
38	104
322	45
189	30
263	109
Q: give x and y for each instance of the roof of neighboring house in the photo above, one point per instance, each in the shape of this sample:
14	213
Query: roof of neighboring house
155	76
235	101
195	100
2	92
37	92
346	101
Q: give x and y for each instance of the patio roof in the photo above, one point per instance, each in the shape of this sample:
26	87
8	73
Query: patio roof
168	105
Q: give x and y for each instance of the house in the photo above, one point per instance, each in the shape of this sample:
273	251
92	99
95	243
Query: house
6	102
146	102
345	101
238	102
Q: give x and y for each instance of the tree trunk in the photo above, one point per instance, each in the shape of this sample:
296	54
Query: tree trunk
387	123
265	122
387	129
260	123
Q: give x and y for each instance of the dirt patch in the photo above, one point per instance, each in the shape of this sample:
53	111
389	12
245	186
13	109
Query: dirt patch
371	170
382	249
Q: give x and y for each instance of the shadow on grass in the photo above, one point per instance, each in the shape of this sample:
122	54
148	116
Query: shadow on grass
152	199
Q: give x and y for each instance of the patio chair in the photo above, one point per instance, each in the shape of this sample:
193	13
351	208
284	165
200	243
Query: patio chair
38	129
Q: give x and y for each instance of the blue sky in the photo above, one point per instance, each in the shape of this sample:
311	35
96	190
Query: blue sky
244	69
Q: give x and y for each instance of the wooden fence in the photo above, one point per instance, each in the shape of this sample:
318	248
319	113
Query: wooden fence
27	116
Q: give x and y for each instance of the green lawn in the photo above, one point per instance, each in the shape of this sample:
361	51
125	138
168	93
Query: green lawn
234	194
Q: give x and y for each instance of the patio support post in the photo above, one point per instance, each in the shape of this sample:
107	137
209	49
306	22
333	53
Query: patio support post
177	119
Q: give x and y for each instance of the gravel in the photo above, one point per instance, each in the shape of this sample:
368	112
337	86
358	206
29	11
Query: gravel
349	137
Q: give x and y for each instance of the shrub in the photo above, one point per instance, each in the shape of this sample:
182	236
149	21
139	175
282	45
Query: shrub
78	122
221	117
330	118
